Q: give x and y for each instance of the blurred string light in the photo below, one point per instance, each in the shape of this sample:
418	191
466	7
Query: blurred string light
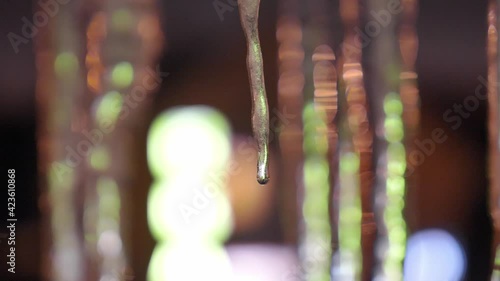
96	32
315	206
395	186
325	107
103	212
189	212
290	87
66	263
347	260
348	265
389	150
355	140
408	43
100	158
434	255
494	130
118	52
319	140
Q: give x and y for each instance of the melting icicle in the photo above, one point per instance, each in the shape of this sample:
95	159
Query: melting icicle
249	14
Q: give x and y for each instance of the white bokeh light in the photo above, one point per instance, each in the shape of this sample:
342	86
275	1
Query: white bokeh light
434	255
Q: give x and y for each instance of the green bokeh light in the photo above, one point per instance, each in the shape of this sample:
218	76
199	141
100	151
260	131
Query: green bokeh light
122	20
350	212
393	105
394	131
188	139
109	108
186	146
66	64
100	158
122	75
315	207
395	186
109	204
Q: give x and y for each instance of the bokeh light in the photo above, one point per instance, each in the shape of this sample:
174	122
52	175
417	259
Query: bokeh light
189	211
434	255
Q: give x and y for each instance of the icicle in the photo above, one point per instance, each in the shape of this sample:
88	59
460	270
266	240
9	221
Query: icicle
249	15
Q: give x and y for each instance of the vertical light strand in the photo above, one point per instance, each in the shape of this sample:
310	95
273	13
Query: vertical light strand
493	46
315	206
117	75
66	253
325	106
123	40
95	34
319	140
355	140
347	260
389	149
290	86
408	42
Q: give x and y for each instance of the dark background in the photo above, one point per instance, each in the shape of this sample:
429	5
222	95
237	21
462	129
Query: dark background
205	59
